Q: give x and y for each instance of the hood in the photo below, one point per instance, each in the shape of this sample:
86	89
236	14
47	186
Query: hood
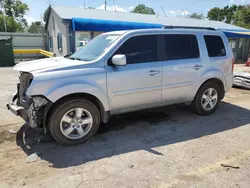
47	63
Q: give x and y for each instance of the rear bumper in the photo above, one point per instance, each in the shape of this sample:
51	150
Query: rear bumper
15	109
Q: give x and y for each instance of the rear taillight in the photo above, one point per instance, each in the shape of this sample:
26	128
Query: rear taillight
232	65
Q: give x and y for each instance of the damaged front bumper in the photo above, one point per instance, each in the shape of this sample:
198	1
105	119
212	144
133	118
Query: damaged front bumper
33	112
15	109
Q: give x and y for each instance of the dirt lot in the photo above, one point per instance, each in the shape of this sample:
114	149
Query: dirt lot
169	147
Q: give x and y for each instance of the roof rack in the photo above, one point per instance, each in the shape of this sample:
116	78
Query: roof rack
186	27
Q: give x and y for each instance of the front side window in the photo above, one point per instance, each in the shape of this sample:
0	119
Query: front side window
139	49
95	48
215	46
179	46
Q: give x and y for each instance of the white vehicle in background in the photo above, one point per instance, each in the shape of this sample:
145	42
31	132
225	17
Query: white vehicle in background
81	44
242	79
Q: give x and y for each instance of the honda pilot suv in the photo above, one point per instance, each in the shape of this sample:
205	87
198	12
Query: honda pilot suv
123	71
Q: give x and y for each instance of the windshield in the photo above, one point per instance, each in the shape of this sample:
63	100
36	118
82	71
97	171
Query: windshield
95	48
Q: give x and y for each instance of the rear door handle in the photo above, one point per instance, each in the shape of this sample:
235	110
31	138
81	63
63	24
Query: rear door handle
197	67
153	72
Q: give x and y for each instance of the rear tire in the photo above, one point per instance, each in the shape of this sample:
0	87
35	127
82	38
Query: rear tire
207	99
74	122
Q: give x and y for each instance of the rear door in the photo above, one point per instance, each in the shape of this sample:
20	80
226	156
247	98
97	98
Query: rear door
220	57
138	84
182	66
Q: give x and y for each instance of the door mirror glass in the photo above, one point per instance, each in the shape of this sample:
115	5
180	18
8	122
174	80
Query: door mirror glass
119	60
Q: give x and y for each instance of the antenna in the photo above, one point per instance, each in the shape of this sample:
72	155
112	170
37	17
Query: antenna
114	5
51	2
84	4
184	13
163	11
203	17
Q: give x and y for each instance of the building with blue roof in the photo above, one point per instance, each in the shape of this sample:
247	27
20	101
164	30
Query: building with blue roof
70	28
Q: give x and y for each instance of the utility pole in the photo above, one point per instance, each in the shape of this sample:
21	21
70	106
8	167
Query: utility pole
105	3
114	5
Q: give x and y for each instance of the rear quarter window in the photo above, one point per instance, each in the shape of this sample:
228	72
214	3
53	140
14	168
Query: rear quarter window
181	46
215	46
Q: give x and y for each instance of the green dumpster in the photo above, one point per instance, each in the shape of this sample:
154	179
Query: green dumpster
6	52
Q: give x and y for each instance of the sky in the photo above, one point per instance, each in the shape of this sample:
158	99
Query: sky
172	8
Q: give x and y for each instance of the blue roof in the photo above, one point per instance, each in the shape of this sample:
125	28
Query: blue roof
79	24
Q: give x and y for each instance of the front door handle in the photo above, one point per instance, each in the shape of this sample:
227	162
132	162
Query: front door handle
153	72
197	67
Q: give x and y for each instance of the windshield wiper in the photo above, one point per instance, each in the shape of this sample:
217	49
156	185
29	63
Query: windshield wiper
74	58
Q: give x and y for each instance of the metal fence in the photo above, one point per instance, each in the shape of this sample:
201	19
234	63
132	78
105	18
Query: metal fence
26	41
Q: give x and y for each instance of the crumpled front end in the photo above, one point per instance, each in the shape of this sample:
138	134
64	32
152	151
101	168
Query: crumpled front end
30	108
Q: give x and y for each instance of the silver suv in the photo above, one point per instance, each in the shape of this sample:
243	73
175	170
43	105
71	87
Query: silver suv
120	72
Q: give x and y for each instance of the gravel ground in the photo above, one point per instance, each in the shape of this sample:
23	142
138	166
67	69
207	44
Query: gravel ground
168	147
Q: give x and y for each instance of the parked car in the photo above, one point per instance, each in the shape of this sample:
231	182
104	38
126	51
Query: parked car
120	72
242	79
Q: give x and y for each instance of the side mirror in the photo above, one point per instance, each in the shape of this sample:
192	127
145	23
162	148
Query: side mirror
119	60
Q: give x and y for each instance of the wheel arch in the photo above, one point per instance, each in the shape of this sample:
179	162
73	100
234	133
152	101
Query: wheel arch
216	81
104	114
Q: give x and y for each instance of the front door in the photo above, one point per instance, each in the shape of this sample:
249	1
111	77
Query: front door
138	84
181	68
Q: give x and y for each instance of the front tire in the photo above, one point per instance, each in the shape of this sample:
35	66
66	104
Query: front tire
74	122
207	99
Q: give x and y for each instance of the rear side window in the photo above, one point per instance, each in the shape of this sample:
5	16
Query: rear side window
139	49
215	46
181	47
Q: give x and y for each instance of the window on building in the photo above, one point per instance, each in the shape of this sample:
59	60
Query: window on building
181	47
59	41
215	46
139	49
50	42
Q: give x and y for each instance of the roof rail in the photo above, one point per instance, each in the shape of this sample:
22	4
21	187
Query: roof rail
186	27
